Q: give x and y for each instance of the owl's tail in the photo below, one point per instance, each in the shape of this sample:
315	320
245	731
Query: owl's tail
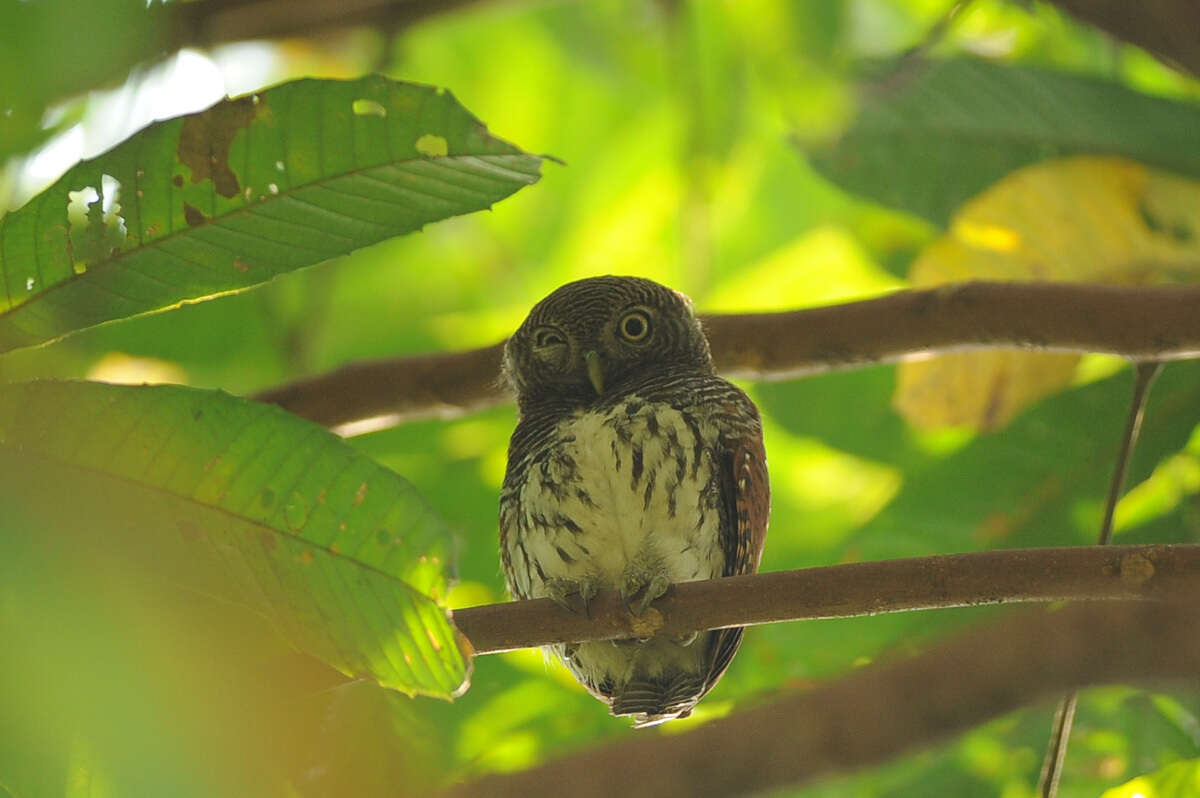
652	700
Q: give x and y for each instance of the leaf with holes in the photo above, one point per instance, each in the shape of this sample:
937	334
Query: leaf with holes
242	501
221	200
928	140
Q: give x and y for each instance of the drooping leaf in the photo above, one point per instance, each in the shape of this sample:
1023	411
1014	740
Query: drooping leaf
1081	219
243	501
234	195
927	142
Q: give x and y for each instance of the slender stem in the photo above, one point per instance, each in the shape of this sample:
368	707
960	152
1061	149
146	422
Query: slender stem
1144	375
1056	750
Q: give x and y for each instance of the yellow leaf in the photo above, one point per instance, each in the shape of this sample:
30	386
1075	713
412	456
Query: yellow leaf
1081	219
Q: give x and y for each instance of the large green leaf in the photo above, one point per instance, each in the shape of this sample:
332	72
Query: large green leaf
243	501
252	187
927	142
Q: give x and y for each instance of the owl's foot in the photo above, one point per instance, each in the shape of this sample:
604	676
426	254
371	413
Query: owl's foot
639	588
560	590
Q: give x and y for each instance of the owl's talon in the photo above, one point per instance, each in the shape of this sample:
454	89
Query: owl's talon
686	640
639	590
560	590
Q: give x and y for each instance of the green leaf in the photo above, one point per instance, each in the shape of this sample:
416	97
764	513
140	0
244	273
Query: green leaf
243	501
109	36
1177	780
956	127
234	195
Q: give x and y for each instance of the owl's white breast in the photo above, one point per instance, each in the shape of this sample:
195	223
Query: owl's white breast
627	488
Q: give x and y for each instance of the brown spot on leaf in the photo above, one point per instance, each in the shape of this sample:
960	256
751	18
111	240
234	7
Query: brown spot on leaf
188	530
241	265
178	180
193	215
360	494
206	137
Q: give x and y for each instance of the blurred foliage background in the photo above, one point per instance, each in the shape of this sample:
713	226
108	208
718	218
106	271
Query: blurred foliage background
683	129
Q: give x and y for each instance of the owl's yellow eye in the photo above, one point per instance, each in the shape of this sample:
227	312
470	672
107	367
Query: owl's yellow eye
548	336
635	326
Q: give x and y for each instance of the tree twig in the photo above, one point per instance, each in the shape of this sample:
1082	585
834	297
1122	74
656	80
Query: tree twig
881	711
1145	323
204	23
841	591
1166	28
1056	750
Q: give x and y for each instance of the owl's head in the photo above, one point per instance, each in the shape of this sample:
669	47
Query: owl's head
601	336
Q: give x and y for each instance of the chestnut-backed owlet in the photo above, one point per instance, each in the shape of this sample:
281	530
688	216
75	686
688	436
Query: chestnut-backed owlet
633	466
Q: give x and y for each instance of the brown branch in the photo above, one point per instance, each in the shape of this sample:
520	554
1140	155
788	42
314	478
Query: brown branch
419	386
208	22
1144	323
1167	28
841	591
881	711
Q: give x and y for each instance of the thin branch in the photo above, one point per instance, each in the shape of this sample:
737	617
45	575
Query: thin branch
1056	750
881	711
1143	378
205	23
841	591
1144	323
420	386
1166	28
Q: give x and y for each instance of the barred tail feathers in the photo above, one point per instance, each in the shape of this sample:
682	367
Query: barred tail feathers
652	700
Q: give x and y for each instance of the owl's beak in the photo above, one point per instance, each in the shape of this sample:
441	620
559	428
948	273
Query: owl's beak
595	370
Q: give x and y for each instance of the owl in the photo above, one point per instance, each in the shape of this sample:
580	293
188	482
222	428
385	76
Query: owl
632	467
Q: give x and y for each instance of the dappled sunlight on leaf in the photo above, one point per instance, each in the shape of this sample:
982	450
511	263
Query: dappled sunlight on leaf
493	738
1097	366
249	504
1173	481
470	594
628	234
118	367
821	267
1082	219
832	491
1178	780
540	663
